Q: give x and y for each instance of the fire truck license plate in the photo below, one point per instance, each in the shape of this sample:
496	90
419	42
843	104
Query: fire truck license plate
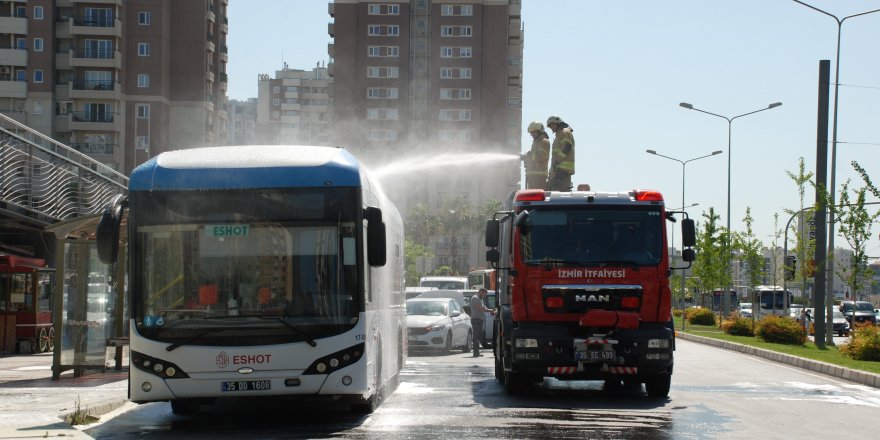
246	385
594	356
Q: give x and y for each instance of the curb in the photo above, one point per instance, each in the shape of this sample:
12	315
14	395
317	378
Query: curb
96	409
859	377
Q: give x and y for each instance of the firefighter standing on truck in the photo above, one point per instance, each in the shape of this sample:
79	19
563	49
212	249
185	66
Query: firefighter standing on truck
562	155
535	160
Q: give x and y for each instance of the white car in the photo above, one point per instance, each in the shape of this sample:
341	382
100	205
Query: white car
745	310
437	323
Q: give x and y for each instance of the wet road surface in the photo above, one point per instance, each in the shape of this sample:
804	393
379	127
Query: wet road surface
715	394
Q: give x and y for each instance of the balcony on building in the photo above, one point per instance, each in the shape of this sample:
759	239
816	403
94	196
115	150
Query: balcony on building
209	44
94	148
224	25
331	50
13	24
18	115
95	121
13	57
224	53
9	88
330	30
95	89
95	26
331	9
96	58
99	2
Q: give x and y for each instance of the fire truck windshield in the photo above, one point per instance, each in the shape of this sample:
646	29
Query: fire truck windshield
631	236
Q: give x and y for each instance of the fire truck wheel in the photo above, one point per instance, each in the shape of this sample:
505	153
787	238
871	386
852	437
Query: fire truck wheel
658	386
515	383
43	340
51	338
499	369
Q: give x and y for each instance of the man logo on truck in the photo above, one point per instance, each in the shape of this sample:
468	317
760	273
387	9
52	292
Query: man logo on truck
592	298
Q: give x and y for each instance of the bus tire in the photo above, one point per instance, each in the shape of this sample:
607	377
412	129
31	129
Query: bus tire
372	402
184	407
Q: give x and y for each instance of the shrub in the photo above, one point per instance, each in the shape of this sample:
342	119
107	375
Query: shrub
677	313
738	326
781	330
864	344
701	316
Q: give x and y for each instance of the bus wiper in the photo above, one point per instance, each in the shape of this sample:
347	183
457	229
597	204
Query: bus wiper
193	338
308	337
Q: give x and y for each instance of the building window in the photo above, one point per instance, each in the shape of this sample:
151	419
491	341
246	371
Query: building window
381	135
455	72
38	44
291	89
454	135
456	31
276	102
144	18
382	93
143	49
38	76
38	12
383	9
383	72
455	52
142	142
142	111
457	10
382	114
455	114
383	30
455	94
38	108
143	80
383	51
276	90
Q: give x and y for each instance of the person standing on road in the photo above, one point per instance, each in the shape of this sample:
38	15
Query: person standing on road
535	160
478	310
561	155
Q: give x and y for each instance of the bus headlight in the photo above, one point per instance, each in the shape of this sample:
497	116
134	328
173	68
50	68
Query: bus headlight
336	361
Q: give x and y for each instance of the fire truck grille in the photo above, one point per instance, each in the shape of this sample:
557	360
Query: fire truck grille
580	298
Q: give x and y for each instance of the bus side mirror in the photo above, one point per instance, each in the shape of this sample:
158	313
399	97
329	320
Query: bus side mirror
491	233
376	247
107	231
688	233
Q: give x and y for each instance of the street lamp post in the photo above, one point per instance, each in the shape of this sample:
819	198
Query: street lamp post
683	205
729	120
829	282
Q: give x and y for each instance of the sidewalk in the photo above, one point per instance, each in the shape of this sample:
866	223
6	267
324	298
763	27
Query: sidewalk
32	405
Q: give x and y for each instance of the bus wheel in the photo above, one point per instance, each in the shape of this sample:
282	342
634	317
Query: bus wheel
184	407
658	386
373	402
43	340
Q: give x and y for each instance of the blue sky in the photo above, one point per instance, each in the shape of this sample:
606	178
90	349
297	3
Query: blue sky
616	72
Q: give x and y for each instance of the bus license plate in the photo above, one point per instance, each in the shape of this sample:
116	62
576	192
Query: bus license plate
246	385
595	356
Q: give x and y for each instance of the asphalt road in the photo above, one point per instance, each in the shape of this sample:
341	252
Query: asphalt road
715	394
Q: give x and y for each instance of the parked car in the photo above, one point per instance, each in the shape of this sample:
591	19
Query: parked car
437	323
840	326
858	311
877	316
745	310
796	310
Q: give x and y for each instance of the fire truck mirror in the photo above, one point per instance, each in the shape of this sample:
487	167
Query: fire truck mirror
491	233
688	233
492	255
688	255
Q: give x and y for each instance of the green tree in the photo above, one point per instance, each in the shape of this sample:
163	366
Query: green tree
711	263
411	251
805	245
421	224
855	226
751	254
456	216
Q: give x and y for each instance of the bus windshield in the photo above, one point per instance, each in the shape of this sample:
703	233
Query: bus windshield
596	236
221	267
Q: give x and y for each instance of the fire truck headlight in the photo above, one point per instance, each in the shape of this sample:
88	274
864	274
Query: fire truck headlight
658	343
526	343
147	387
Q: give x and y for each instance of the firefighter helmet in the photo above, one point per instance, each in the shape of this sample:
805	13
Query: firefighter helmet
554	120
536	126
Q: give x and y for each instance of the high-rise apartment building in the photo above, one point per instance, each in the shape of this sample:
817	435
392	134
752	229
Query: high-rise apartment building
242	122
294	107
435	82
118	80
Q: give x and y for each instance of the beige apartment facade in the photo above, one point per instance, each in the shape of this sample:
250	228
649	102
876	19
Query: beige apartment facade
294	107
120	81
435	85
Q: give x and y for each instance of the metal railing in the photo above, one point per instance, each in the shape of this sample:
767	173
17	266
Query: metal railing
41	178
101	84
88	116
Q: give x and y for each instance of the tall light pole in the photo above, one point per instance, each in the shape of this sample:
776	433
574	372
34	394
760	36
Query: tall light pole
683	205
729	130
829	281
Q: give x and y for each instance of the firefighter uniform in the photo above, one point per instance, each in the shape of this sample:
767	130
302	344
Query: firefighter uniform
536	158
562	156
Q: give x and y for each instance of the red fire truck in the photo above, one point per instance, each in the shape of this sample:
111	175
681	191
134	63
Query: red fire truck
583	288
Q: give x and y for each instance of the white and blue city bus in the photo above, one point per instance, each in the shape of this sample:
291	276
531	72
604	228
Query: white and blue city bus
260	271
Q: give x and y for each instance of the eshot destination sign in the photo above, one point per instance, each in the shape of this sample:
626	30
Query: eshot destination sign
229	230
